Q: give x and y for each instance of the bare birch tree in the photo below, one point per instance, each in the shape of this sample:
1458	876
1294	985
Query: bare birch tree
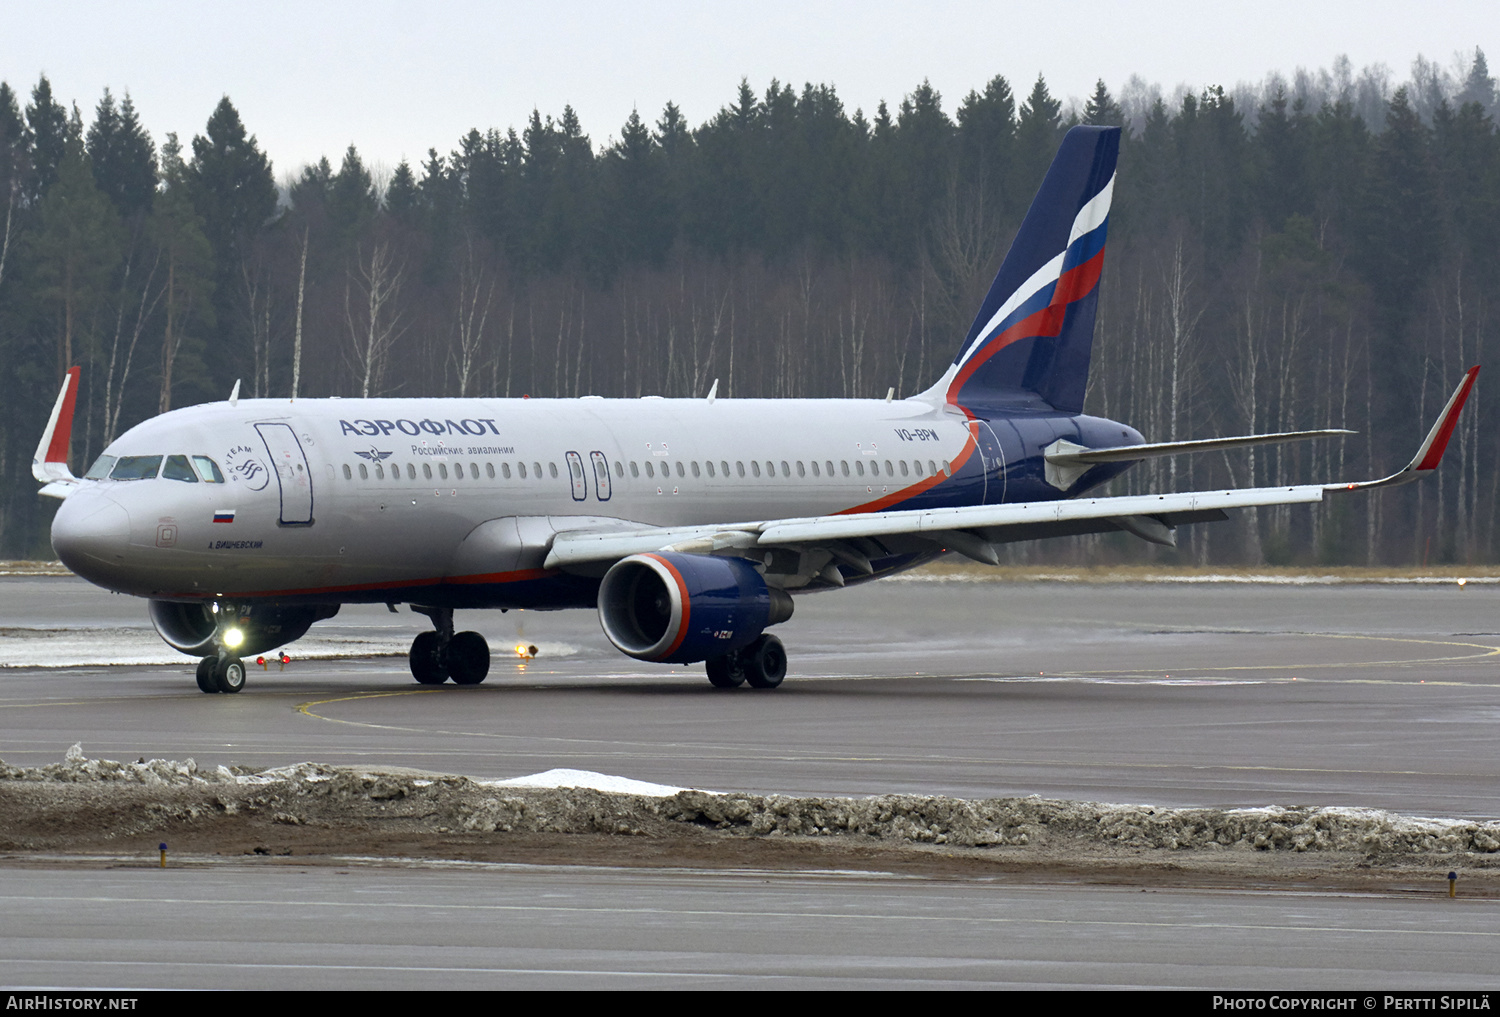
373	320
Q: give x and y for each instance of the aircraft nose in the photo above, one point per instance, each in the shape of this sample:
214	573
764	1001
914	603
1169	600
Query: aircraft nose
90	535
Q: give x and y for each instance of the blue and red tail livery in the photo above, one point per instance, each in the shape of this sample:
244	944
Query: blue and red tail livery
1033	335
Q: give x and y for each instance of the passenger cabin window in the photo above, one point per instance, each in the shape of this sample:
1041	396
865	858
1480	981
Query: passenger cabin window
208	470
619	469
710	465
411	471
348	474
845	464
634	470
443	470
521	469
695	469
427	470
755	467
177	468
740	467
379	472
505	470
135	468
458	470
680	472
489	469
364	472
551	468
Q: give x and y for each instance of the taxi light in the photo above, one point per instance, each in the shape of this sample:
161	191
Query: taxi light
233	638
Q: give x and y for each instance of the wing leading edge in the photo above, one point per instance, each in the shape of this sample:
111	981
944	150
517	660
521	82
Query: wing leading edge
975	530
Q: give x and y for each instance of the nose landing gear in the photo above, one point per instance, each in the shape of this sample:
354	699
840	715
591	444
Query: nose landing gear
442	654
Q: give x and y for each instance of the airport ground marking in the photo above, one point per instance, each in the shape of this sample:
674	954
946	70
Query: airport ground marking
897	916
1488	651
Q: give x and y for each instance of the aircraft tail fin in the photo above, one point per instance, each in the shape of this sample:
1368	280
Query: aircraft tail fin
1035	330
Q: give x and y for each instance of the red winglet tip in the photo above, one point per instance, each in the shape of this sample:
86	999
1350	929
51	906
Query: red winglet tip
1449	422
57	451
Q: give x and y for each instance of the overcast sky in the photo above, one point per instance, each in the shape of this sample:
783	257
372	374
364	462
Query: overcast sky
396	78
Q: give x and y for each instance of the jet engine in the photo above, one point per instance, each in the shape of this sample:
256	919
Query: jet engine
248	628
682	608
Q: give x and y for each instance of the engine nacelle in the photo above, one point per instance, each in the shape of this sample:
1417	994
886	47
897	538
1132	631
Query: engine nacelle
194	628
682	608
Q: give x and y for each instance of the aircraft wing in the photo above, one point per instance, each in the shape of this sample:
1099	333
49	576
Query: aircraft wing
974	530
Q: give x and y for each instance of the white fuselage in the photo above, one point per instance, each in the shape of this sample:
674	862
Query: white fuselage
362	499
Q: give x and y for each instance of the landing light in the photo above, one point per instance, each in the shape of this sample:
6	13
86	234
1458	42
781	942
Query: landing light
233	638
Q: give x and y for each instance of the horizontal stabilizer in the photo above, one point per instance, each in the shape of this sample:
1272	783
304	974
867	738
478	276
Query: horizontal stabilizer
1065	453
1067	461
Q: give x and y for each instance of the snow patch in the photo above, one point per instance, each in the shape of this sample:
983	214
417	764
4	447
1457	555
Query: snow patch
563	778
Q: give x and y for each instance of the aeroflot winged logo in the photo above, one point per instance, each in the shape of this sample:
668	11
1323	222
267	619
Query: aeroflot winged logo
374	455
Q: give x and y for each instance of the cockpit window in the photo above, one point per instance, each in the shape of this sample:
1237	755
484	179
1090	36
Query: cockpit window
100	469
208	470
135	468
177	468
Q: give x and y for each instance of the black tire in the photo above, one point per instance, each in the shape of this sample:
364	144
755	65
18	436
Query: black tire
726	672
206	680
229	673
468	658
426	659
765	662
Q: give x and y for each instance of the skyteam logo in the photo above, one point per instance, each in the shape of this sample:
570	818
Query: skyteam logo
245	467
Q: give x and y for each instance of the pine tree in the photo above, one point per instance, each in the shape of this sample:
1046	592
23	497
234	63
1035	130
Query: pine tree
123	156
1101	110
47	127
231	184
75	248
402	196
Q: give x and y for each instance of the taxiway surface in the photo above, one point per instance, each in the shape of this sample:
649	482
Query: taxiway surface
1176	694
1173	694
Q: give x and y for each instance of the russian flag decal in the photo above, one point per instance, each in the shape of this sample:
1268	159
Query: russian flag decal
223	515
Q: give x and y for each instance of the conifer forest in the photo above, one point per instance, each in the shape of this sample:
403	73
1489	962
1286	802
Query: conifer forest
1317	250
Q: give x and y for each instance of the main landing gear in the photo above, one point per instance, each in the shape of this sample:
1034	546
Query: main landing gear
762	665
442	654
221	673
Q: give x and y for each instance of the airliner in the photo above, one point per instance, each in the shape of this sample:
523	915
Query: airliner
690	525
